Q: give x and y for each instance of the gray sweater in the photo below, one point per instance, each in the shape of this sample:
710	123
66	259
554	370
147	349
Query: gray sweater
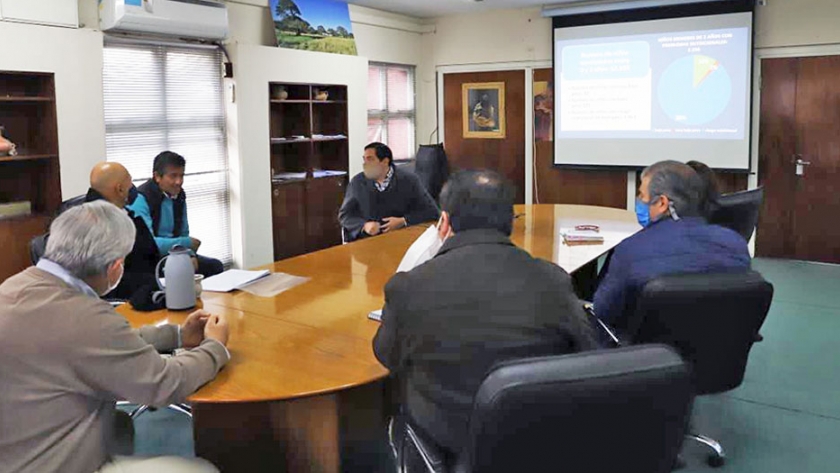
65	358
405	197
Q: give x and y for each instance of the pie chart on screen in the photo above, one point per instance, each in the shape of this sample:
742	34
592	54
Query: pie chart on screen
695	90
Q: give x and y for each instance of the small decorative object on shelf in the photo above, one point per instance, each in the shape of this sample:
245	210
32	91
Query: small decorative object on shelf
15	209
7	148
321	94
278	92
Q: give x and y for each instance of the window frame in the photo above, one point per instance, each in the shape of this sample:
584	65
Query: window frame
385	114
167	126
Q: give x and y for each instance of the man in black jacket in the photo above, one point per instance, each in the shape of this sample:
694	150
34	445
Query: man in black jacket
112	182
383	198
479	301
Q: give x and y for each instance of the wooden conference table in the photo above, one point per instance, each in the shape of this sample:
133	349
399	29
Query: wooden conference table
303	391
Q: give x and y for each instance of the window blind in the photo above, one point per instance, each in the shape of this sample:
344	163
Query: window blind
391	108
170	98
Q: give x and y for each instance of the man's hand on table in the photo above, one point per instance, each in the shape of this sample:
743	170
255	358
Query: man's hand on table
372	228
201	325
393	223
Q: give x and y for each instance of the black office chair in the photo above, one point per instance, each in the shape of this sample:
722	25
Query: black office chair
712	320
432	167
610	410
37	248
38	245
739	211
69	203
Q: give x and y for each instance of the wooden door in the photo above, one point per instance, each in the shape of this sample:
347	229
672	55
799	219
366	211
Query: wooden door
505	155
800	120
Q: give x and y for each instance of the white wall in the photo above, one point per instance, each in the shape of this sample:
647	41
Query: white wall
75	57
254	68
784	23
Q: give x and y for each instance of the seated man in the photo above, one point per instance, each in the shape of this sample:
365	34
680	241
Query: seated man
111	182
383	198
162	203
676	239
479	301
66	356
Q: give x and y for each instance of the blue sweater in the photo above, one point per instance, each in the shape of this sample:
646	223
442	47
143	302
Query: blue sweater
689	245
165	238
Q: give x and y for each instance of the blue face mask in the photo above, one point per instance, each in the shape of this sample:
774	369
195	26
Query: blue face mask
642	212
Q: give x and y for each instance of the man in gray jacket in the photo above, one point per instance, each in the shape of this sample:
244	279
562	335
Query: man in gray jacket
66	356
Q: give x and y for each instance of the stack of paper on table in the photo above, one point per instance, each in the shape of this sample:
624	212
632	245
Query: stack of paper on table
572	236
232	279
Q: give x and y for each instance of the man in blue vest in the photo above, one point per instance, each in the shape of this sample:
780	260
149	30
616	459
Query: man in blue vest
162	204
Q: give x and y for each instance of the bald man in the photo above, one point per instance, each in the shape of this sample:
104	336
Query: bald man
112	182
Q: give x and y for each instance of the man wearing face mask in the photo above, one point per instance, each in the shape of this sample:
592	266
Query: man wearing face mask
66	356
383	198
479	301
676	239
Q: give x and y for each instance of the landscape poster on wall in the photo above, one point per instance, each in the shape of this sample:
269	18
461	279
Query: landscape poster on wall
313	25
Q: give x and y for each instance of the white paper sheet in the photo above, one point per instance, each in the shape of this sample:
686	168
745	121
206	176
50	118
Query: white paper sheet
231	279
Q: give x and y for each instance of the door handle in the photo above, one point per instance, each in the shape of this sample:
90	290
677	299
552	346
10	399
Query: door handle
800	165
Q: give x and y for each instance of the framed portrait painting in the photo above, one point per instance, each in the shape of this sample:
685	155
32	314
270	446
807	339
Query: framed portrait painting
484	110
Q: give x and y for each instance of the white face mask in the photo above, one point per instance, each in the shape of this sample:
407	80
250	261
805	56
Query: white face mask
422	250
117	283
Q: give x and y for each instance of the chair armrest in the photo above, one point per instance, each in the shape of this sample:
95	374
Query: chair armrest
431	454
590	309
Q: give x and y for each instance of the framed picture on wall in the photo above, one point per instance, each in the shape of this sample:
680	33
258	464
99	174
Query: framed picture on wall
484	110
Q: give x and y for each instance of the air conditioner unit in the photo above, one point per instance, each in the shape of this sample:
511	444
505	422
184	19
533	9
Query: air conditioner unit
203	19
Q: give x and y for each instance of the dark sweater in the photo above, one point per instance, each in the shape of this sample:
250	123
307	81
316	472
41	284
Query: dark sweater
140	263
405	197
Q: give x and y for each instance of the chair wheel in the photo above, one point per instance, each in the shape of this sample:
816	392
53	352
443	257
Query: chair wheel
715	461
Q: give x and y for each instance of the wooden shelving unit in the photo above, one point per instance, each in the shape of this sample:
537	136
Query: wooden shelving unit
309	174
27	112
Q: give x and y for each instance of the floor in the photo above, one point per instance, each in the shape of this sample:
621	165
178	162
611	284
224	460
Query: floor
785	417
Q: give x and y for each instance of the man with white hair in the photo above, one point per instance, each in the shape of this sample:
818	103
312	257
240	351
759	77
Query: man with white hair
66	356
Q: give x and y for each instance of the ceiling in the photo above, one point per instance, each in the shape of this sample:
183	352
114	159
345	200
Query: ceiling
436	8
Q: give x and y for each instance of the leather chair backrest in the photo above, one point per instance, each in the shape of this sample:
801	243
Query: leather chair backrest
38	245
37	248
739	211
610	410
711	319
70	203
432	167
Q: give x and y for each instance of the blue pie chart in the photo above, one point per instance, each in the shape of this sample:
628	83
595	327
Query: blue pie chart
694	90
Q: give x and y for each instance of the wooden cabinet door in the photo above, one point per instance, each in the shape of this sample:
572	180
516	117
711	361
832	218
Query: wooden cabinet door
323	200
15	234
288	203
